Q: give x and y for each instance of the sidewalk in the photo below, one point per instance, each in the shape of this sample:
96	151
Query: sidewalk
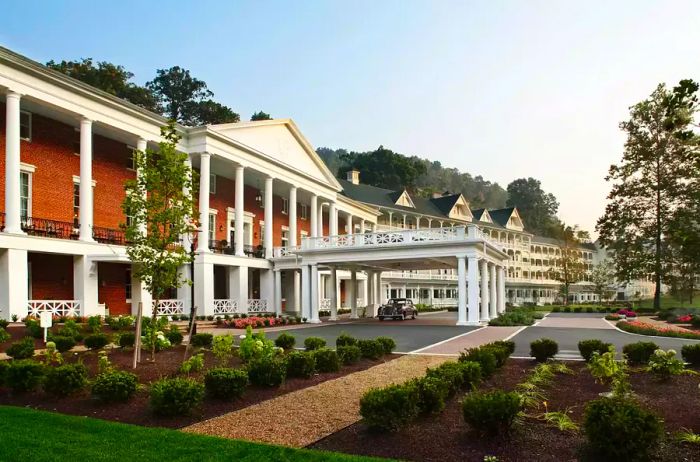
472	339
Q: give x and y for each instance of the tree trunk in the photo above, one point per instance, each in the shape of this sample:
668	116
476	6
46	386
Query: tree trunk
657	262
154	321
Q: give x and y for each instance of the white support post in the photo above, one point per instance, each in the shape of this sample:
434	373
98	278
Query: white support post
501	290
362	227
267	286
306	291
404	221
203	240
320	219
297	291
461	291
348	225
238	286
314	319
184	292
278	292
13	219
334	293
332	219
313	222
85	285
239	204
352	293
293	216
269	226
493	297
139	294
417	222
378	290
142	145
204	286
473	290
484	290
86	199
14	283
369	298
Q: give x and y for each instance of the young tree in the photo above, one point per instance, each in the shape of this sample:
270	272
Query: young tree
260	115
603	278
160	204
648	184
569	267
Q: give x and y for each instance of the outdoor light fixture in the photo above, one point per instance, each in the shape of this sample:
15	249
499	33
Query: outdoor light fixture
259	198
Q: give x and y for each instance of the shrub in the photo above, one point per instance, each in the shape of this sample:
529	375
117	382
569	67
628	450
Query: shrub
114	386
371	349
484	356
388	344
471	373
174	335
193	364
256	346
225	383
63	343
432	392
202	340
96	341
314	343
500	352
664	364
4	323
301	364
70	329
222	347
267	371
639	352
543	349
345	340
34	328
3	369
349	354
606	419
176	396
285	341
491	412
95	323
4	336
24	375
691	353
127	340
450	373
22	349
509	345
327	360
66	379
389	408
513	318
588	347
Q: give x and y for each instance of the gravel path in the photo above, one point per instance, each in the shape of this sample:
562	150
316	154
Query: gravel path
303	417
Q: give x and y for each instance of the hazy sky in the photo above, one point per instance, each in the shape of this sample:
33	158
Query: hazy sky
502	89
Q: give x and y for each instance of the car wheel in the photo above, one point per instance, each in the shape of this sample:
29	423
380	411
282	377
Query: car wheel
414	315
381	318
403	317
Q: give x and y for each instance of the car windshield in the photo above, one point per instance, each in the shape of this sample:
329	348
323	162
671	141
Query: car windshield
400	301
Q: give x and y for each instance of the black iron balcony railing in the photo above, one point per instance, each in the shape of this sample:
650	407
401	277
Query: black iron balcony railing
224	247
44	227
109	236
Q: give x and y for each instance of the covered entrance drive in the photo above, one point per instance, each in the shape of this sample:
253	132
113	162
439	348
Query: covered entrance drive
479	263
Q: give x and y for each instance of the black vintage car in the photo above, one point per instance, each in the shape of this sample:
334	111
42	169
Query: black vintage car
397	308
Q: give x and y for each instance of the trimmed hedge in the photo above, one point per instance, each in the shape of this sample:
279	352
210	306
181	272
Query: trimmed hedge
66	379
96	341
301	364
202	340
389	408
349	354
314	343
491	412
432	393
371	349
543	349
176	396
285	341
267	371
114	386
21	349
691	354
639	352
345	340
24	375
63	342
388	344
327	360
484	356
127	340
225	383
588	347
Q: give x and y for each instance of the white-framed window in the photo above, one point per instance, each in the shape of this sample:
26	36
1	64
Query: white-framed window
262	231
212	183
76	203
25	125
285	206
25	194
212	226
127	284
285	236
131	158
304	211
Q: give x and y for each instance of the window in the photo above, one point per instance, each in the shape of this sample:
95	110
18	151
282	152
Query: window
212	184
285	206
212	226
285	237
304	212
129	218
131	158
76	142
127	284
76	204
25	194
25	125
262	231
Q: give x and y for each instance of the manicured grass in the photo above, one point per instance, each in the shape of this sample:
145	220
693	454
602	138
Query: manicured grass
667	301
30	435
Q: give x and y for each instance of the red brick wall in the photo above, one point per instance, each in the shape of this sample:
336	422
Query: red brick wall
111	288
51	276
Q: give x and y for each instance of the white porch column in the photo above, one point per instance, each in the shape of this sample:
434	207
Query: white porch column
86	200
484	290
370	297
417	222
139	294
391	219
430	222
268	217
473	290
297	291
334	293
204	286
14	287
267	286
461	291
348	224
332	220
13	219
313	222
320	219
501	290
306	291
142	145
315	302
85	285
203	240
239	221
352	293
278	292
493	297
293	216
238	286
362	226
404	221
184	292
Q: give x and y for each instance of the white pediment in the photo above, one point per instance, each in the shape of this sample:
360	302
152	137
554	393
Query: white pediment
460	210
405	200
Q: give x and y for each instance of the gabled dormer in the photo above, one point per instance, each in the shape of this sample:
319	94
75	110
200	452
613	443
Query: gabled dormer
403	199
454	206
482	215
509	218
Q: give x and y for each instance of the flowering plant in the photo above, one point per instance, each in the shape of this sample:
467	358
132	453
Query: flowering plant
664	364
627	313
256	346
685	318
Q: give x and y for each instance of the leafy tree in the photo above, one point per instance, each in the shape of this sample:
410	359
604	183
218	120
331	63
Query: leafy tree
210	112
385	168
603	277
160	206
537	208
569	267
649	184
260	115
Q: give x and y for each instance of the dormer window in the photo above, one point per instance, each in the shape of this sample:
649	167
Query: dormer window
405	200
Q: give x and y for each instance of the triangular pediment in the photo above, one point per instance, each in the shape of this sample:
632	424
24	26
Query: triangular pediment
404	200
460	209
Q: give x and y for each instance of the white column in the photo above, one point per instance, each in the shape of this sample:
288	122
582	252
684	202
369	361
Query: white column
86	200
332	220
238	286
204	286
404	221
142	145
306	291
314	319
14	288
484	290
369	297
348	225
501	290
417	222
203	240
293	216
493	297
239	220
267	286
430	222
391	219
268	217
320	219
297	291
85	285
278	292
362	226
473	291
13	220
461	291
334	293
352	293
184	292
313	223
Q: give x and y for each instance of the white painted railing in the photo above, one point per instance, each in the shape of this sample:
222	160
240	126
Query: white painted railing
225	306
55	307
170	306
257	305
420	275
325	304
280	252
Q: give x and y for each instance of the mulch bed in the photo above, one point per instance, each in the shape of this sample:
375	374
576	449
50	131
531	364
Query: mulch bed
446	437
136	410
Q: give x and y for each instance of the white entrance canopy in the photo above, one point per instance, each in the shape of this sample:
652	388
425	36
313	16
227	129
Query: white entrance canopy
477	261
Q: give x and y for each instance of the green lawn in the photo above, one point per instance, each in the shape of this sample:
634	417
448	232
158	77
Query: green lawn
29	435
667	301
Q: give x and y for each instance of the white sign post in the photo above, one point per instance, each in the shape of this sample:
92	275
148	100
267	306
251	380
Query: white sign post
46	321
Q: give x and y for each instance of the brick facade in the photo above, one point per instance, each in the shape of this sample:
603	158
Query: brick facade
51	276
111	289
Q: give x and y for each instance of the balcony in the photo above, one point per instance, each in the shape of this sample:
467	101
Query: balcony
44	227
224	247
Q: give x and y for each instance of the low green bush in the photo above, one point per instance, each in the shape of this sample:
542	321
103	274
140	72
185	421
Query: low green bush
349	354
127	339
175	336
450	373
314	343
345	340
327	360
34	328
691	354
664	364
267	371
639	352
63	343
176	396
471	374
22	349
225	383
301	364
114	386
432	393
588	347
513	318
543	349
501	352
389	408
388	344
4	335
491	412
24	375
619	429
371	349
285	341
484	356
4	323
202	340
66	379
96	341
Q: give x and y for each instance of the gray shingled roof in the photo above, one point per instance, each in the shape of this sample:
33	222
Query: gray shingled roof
501	216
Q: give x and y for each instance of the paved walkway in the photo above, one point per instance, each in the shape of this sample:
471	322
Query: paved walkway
575	322
305	416
471	339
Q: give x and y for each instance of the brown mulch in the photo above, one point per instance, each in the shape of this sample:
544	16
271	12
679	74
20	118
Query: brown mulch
446	437
136	410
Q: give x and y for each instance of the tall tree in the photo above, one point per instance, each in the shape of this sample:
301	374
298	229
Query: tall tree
384	168
260	115
603	279
537	208
569	267
160	205
648	185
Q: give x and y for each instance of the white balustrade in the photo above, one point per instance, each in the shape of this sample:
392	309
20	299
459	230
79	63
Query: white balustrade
225	306
383	238
325	304
257	305
289	251
55	307
168	307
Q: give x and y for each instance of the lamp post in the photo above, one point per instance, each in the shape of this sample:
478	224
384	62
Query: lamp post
191	239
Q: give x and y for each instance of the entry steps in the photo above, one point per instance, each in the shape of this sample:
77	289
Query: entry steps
568	355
